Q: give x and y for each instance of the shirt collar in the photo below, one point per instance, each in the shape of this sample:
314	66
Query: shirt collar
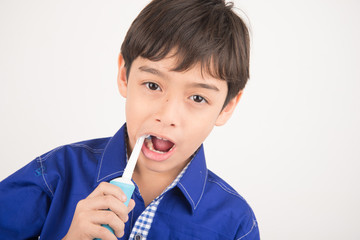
113	162
192	183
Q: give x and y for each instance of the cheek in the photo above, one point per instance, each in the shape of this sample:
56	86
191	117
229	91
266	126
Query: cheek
205	119
200	129
135	104
135	112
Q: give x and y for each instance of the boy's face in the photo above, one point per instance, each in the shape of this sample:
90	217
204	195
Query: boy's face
177	109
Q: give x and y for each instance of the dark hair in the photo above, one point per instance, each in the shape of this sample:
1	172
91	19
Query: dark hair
200	31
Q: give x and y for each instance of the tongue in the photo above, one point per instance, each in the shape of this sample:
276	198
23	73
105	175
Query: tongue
161	144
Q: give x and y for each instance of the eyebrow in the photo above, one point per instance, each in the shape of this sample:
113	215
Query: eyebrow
161	74
205	85
151	70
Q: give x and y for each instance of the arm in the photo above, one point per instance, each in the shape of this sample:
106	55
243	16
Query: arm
249	230
24	203
26	197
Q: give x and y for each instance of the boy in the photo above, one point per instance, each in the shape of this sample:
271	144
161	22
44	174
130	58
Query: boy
182	68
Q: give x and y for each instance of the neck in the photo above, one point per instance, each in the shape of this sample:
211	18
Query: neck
151	184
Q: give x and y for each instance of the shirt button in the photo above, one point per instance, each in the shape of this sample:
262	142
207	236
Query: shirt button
138	236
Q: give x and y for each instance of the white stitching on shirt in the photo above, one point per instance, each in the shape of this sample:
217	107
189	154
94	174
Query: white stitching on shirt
109	175
203	190
226	189
87	147
42	173
187	193
237	195
49	154
102	157
202	193
46	156
254	224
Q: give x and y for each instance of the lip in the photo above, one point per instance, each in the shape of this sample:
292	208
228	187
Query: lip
155	156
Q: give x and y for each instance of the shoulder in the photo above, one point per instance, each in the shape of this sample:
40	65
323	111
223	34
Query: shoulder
219	186
232	205
221	192
93	146
63	164
74	156
214	179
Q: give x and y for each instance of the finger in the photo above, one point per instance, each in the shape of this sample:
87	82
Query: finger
98	231
131	205
87	225
111	219
106	188
107	202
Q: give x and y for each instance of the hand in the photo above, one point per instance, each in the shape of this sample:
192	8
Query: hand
92	211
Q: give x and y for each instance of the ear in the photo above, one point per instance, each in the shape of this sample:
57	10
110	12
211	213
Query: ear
121	78
228	110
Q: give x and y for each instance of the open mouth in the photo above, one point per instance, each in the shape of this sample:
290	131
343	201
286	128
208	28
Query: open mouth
158	145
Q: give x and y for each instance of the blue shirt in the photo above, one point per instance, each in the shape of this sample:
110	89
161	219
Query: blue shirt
40	199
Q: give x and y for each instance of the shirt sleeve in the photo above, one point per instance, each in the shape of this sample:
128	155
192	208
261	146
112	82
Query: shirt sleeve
24	202
249	229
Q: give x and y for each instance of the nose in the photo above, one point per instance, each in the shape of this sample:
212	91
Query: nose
169	112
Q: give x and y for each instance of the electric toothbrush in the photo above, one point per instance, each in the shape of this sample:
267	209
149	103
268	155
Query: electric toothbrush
124	182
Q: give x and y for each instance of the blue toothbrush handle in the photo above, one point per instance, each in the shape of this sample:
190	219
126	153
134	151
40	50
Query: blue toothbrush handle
128	188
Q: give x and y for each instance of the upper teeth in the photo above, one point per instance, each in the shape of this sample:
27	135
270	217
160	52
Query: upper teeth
161	138
149	137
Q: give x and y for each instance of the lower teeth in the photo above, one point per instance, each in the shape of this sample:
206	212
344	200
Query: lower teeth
150	145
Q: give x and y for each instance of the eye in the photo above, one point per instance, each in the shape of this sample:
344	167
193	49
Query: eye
152	86
198	99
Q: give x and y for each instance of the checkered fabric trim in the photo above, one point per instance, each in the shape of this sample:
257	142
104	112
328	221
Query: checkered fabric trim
143	223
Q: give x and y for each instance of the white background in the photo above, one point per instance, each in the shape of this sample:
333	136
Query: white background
292	147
